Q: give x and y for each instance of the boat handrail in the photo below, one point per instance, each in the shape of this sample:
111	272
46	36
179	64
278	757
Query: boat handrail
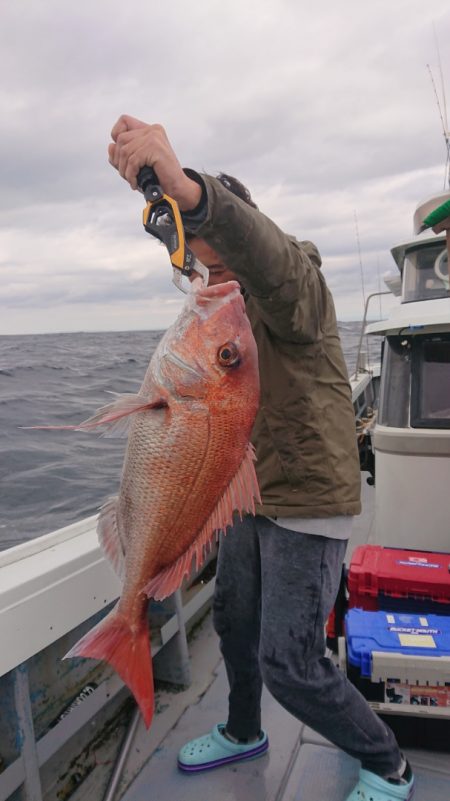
363	326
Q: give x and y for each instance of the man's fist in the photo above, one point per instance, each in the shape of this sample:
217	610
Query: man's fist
136	144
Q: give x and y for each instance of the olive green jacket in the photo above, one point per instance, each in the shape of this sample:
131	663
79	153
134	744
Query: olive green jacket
304	433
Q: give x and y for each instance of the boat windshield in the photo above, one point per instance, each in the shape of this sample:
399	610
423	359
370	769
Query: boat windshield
430	397
395	382
425	273
415	382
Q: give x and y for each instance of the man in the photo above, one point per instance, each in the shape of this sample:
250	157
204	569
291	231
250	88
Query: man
278	573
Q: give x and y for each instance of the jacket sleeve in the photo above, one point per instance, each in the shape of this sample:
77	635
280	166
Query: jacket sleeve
281	274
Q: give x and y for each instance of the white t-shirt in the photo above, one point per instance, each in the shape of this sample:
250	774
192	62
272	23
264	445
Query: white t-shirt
337	528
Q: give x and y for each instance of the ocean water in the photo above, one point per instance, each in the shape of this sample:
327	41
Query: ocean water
49	479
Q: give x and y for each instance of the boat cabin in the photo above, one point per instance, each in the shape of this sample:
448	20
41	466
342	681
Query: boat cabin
412	436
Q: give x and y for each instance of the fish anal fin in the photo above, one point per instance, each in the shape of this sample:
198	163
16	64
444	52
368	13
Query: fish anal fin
239	496
109	537
127	650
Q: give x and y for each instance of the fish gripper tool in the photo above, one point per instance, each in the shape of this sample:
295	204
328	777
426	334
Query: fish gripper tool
162	219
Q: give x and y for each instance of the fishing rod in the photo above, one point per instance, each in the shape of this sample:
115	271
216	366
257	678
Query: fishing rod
442	107
435	213
445	129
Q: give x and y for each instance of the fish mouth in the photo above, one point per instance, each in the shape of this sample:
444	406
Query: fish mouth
216	291
205	301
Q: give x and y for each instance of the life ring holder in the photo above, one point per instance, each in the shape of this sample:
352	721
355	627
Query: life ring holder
441	268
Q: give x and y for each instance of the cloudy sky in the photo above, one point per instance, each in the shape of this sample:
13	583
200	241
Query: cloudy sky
326	111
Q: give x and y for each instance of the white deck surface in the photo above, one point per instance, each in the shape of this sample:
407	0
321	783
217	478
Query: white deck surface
300	765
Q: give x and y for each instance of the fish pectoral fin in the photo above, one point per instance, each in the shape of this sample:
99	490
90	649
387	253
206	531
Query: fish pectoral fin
109	537
112	415
115	416
239	496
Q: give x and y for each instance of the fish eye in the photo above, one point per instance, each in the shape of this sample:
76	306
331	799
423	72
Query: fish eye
228	355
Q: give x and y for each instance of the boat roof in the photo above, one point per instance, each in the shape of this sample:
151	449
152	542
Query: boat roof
399	251
428	208
417	317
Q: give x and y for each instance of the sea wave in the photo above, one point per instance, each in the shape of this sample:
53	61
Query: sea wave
50	479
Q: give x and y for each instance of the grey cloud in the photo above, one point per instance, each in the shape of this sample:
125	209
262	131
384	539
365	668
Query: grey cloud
340	117
97	286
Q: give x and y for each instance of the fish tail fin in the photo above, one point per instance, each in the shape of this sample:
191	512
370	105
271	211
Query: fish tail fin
127	650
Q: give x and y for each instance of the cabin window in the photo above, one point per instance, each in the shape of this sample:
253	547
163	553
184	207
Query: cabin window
425	273
430	401
395	382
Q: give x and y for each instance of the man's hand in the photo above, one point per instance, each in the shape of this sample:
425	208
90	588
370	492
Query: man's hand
136	144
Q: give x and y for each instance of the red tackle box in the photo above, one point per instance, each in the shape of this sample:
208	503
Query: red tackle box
399	580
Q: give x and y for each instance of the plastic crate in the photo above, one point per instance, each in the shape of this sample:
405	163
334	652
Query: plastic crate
399	580
401	664
409	635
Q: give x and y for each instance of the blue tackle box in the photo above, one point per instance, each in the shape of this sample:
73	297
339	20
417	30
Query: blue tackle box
400	662
394	632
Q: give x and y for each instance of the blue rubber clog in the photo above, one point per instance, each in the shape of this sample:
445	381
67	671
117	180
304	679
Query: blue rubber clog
371	787
213	750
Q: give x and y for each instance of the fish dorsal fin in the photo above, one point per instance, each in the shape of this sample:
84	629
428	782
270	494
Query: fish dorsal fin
109	537
240	496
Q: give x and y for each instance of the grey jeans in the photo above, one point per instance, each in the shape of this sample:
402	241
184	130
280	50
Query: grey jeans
274	591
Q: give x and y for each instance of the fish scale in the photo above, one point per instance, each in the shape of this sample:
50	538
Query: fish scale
163	495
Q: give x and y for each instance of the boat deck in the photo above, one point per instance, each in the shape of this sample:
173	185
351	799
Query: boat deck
299	766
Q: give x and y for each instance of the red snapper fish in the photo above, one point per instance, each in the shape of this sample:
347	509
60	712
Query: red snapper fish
188	467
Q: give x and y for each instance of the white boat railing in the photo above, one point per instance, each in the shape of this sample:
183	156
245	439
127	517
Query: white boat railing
360	367
48	587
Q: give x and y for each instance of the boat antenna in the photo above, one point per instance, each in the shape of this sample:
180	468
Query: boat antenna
442	107
358	244
379	286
